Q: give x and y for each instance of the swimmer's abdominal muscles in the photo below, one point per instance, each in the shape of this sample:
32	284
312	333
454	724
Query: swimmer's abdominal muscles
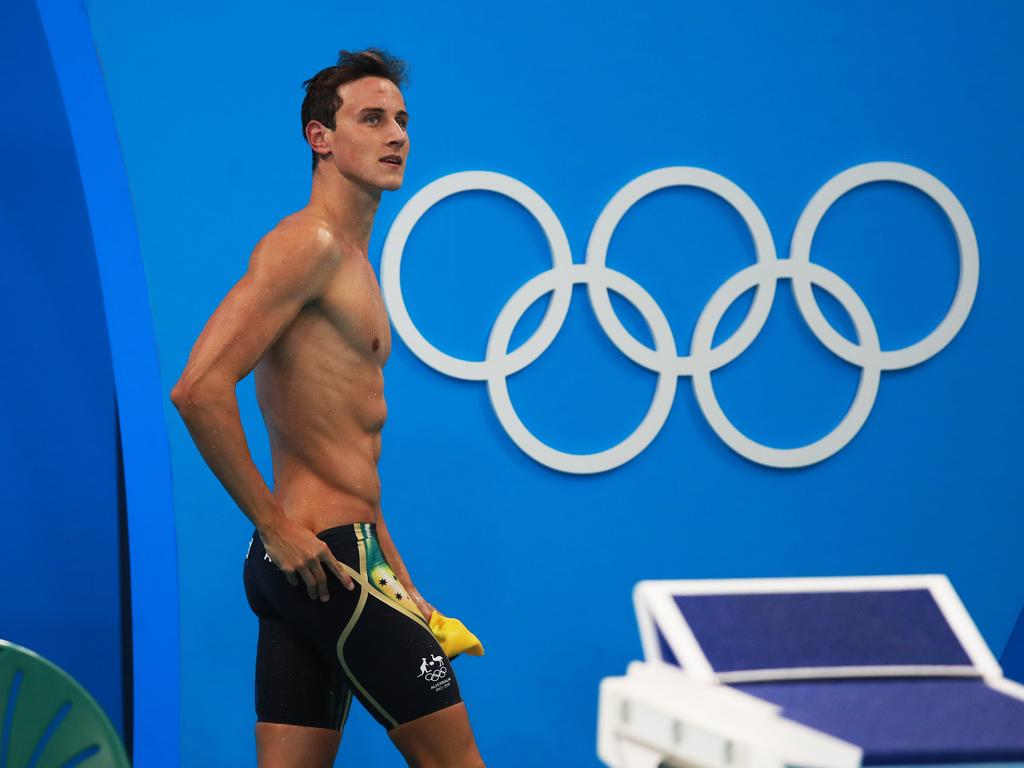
299	554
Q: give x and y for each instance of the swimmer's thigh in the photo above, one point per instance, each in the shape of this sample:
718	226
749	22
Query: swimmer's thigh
302	701
443	738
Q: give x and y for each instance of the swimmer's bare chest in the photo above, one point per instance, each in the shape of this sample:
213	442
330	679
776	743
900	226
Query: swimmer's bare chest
320	388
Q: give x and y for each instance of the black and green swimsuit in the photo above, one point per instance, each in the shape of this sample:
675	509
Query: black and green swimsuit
371	642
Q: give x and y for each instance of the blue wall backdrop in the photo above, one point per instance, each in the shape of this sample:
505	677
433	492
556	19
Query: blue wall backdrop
60	571
576	100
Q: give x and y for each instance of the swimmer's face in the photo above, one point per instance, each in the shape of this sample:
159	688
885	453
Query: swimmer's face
370	142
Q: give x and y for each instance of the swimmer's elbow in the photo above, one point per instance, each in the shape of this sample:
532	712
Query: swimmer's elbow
189	393
181	395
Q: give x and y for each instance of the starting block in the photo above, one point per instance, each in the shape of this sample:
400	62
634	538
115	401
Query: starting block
810	672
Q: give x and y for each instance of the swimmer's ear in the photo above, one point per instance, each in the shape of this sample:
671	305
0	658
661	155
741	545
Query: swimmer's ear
318	137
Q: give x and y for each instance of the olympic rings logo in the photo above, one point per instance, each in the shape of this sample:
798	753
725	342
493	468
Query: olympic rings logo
436	674
703	357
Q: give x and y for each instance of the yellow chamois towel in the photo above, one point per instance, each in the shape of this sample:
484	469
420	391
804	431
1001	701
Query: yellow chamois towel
453	636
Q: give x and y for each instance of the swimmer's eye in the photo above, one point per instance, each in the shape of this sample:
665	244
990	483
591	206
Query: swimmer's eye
376	121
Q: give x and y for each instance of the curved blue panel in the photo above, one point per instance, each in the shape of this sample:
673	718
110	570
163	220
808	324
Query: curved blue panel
136	378
60	573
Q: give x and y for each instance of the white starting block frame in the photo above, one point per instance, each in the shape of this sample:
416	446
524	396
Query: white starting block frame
676	709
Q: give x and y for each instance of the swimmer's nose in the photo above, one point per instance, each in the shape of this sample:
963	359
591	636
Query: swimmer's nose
399	136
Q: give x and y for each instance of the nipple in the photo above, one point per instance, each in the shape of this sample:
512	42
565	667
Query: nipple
376	344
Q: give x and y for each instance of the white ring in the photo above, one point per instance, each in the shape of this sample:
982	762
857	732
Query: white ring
394	247
497	383
967	285
597	253
866	390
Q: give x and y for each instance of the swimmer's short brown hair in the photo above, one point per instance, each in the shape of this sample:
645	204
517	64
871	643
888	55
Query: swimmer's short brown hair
322	100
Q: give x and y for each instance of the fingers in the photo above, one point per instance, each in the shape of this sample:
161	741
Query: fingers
316	580
338	570
314	575
309	579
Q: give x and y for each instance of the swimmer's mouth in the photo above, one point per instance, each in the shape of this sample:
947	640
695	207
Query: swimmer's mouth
391	159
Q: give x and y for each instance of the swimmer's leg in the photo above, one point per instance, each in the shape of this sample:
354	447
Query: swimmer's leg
295	746
442	739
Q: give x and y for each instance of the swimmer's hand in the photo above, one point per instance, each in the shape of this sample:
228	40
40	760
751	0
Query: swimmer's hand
299	554
453	636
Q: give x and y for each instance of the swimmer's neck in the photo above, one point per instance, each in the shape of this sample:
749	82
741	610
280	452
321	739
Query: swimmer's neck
347	206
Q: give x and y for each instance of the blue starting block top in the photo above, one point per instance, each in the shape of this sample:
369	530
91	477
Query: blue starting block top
907	721
822	629
894	665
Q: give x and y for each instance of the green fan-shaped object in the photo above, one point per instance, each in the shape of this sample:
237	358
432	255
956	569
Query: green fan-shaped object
47	720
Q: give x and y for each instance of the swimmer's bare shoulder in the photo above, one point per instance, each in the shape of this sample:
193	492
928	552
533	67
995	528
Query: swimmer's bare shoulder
291	266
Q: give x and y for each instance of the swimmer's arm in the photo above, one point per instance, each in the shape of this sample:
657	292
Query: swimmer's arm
387	546
290	268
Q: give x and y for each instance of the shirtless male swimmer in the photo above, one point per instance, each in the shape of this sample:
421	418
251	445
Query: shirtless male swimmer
308	315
